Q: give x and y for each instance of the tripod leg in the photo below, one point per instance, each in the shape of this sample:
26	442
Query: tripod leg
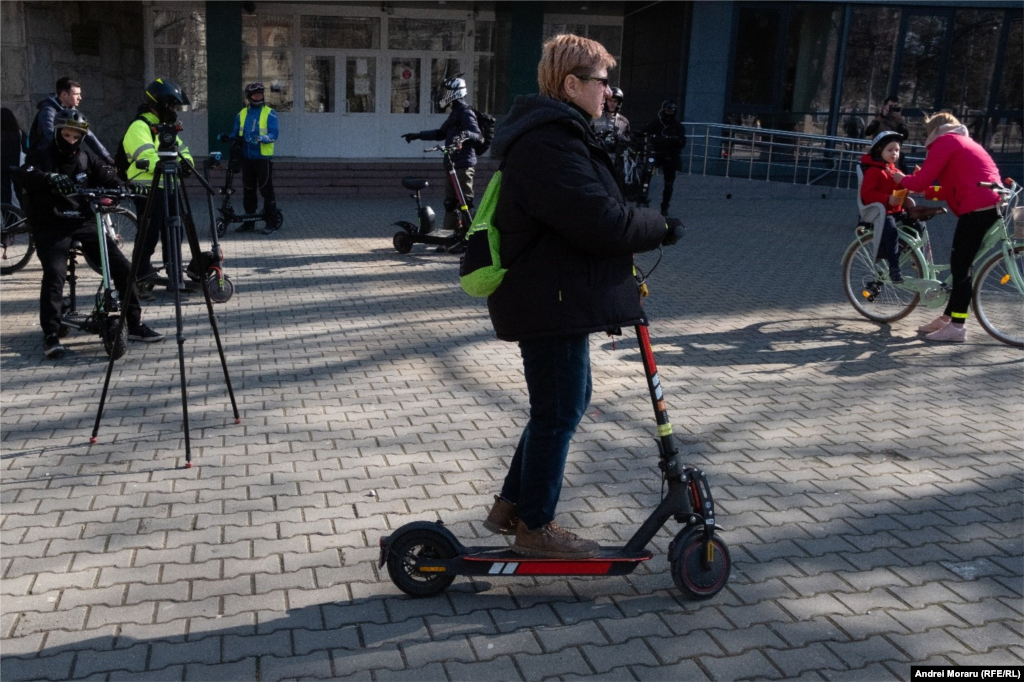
172	233
145	221
197	257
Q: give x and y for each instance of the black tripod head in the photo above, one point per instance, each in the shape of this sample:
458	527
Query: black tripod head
167	136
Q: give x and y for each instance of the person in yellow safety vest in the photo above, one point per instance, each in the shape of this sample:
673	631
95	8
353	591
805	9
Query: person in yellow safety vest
160	102
256	126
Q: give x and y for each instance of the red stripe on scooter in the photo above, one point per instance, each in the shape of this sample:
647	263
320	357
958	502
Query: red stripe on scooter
645	346
563	567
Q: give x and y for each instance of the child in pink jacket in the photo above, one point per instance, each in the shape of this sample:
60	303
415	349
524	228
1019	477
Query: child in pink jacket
951	172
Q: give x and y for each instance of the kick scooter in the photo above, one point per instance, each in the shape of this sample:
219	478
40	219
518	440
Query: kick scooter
424	557
227	212
422	233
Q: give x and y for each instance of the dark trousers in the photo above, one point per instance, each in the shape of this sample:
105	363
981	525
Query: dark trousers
52	250
970	230
889	247
559	383
669	171
451	202
258	174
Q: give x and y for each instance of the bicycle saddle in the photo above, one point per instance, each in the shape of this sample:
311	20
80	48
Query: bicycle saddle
414	184
925	212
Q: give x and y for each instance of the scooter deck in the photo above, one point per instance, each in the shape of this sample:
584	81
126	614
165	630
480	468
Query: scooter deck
491	561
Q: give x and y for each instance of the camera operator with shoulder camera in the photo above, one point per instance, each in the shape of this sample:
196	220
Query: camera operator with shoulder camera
160	102
57	220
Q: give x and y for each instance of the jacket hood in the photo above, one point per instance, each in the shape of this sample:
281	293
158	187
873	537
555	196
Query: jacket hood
866	160
948	129
532	111
50	101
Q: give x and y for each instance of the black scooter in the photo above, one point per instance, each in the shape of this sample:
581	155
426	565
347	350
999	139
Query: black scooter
424	557
227	213
423	232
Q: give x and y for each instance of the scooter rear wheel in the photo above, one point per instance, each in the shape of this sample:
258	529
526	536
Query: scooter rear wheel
222	228
402	242
405	554
115	337
697	579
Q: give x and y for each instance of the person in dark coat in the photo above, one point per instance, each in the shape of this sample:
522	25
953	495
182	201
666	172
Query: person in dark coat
68	95
57	220
12	146
669	140
568	239
461	125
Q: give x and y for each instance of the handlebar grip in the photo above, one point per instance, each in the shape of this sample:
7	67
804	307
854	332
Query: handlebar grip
990	185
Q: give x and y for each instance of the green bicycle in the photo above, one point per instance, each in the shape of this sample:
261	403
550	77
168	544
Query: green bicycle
998	288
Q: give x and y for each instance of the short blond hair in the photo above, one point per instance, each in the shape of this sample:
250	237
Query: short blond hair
567	54
942	118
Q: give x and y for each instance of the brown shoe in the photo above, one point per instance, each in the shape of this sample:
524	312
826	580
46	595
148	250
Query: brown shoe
503	518
552	541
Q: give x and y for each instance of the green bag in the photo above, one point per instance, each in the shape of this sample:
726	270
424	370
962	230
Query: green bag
480	271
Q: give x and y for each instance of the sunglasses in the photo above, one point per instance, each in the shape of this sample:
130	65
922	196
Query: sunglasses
602	81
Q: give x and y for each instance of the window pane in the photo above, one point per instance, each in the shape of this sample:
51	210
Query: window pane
439	70
250	67
341	32
320	84
405	85
756	48
869	54
552	30
483	41
361	84
810	58
609	36
969	75
187	68
1010	96
275	31
922	58
169	28
426	34
276	74
250	26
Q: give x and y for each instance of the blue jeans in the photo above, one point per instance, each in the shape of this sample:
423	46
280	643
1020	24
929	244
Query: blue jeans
558	379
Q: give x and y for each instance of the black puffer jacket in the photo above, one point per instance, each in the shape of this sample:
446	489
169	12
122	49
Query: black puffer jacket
50	213
567	237
461	120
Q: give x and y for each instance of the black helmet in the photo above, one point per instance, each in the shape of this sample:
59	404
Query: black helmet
252	88
73	119
668	108
163	95
881	140
617	94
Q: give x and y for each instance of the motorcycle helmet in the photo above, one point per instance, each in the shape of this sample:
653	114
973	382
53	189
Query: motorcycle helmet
617	95
251	90
73	119
451	89
881	140
668	109
163	95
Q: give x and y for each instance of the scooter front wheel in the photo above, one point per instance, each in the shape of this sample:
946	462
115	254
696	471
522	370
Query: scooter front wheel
405	555
699	572
115	337
221	288
402	242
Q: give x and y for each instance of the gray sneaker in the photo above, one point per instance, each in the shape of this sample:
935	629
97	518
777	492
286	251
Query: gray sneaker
551	541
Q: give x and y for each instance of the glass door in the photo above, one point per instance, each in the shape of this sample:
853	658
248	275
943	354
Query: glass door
339	107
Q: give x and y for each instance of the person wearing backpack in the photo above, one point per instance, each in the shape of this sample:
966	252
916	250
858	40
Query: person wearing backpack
567	241
160	102
461	124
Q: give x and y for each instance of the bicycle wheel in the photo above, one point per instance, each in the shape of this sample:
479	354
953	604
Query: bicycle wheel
867	286
16	243
123	226
998	303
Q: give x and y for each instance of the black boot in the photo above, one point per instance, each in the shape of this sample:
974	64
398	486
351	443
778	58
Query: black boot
664	210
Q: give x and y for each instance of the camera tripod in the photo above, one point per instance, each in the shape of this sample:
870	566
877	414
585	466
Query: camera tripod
177	216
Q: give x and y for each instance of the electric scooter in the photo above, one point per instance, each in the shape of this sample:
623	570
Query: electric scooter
423	557
422	233
227	213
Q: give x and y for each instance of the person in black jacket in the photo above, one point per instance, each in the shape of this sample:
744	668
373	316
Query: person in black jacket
568	239
68	95
49	175
461	124
11	149
669	140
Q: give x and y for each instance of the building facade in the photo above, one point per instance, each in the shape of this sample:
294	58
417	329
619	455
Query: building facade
348	78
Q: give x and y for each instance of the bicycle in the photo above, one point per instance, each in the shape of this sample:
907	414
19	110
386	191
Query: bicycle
16	242
997	288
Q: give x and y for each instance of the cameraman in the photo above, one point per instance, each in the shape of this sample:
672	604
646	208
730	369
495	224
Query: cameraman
160	102
256	127
460	124
890	118
57	220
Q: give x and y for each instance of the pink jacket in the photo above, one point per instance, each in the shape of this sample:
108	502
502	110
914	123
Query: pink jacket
951	172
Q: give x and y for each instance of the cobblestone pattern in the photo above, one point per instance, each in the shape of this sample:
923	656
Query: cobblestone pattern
869	484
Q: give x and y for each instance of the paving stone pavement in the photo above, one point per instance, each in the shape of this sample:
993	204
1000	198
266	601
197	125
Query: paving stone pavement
869	483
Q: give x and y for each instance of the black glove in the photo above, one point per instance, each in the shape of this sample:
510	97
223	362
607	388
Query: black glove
184	168
673	231
409	137
60	183
138	188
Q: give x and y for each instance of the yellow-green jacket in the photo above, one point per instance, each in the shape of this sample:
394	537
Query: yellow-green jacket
140	143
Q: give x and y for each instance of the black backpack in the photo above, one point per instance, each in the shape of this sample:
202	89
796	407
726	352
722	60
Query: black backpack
121	161
487	125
